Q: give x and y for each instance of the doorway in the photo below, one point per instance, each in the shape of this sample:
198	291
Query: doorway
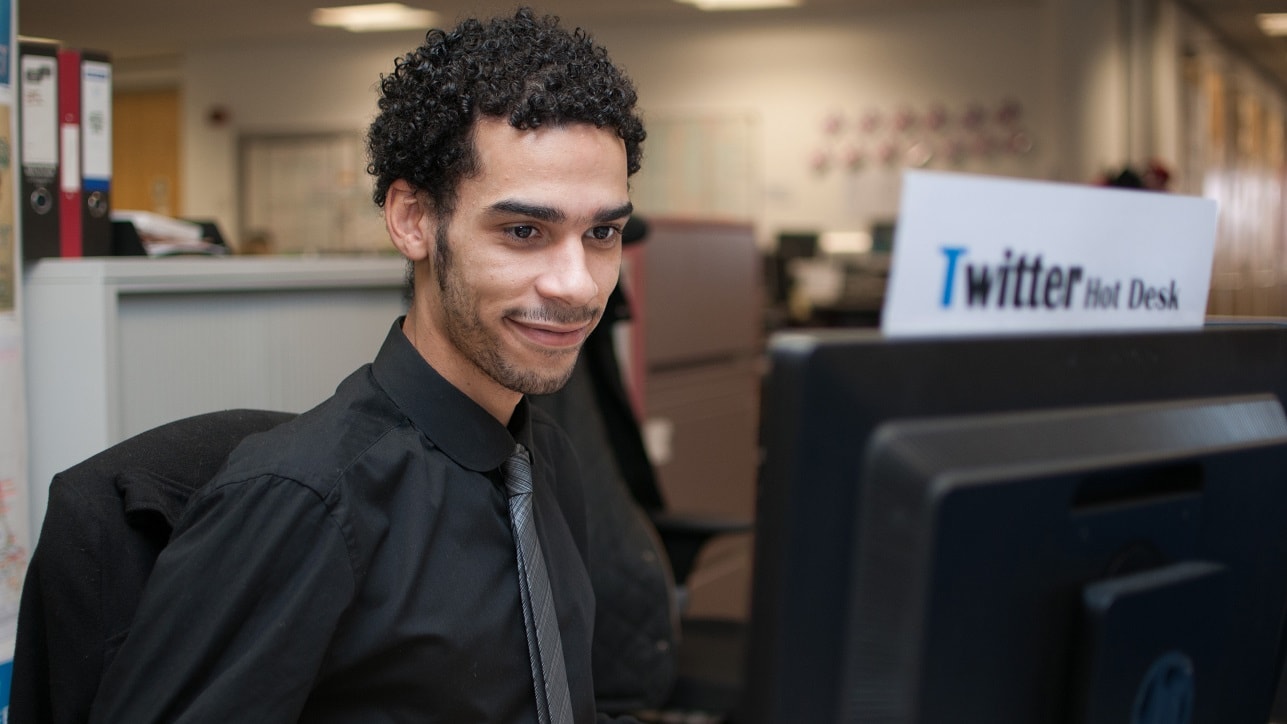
145	151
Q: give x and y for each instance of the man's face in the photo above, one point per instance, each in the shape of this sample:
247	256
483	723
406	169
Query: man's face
530	254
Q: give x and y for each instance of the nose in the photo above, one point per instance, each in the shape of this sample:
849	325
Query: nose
567	276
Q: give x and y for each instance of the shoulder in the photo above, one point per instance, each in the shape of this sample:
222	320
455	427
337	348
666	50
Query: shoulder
294	485
318	447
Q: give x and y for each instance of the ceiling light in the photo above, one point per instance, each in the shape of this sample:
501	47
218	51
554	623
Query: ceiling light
1272	23
374	18
713	5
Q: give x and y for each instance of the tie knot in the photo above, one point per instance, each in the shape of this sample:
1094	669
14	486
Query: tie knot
518	472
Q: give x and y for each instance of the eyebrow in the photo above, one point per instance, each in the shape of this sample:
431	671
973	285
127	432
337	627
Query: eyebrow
553	215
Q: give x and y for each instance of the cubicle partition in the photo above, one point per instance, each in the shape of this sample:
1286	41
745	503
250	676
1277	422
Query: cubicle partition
700	298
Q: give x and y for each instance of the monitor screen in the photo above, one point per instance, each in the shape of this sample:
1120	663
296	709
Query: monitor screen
882	236
1057	529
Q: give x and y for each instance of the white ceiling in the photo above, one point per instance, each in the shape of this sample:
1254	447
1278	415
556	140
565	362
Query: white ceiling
129	28
142	28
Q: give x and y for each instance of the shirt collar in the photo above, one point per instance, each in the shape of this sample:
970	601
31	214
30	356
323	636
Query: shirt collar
455	424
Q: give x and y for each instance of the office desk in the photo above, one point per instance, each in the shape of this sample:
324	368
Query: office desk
115	346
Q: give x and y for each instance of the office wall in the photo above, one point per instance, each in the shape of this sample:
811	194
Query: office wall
797	79
269	89
1057	59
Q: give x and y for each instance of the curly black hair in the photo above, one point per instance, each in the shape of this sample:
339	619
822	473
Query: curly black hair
526	69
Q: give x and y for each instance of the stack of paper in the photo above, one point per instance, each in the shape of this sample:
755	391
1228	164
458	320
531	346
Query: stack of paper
163	236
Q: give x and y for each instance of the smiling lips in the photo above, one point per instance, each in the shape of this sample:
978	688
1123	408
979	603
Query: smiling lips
549	334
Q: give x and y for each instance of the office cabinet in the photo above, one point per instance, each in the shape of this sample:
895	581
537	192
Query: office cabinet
115	346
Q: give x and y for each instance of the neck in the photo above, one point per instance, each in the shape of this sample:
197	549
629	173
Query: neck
447	361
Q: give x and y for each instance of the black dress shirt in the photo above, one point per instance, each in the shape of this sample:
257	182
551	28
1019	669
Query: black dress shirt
357	565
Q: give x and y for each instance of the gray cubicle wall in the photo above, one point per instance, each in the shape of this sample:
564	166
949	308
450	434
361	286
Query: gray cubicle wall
117	346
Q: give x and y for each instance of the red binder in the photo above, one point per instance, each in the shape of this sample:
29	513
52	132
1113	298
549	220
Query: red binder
71	242
85	115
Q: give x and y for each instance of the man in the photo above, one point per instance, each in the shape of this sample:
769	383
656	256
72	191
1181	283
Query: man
359	563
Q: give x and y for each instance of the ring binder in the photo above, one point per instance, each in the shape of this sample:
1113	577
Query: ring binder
85	134
39	149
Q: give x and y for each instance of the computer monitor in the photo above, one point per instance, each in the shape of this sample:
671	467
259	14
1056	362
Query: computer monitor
882	236
1055	529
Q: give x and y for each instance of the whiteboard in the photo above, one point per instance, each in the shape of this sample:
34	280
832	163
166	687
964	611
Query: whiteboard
309	193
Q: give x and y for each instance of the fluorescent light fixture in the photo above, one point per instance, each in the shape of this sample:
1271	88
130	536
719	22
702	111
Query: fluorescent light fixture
714	5
374	18
1272	23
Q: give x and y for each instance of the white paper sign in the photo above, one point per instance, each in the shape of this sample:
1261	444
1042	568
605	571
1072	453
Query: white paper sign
985	255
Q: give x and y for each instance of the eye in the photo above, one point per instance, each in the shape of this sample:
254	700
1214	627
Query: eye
604	233
522	232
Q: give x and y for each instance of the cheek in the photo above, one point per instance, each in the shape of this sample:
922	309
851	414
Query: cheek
500	281
605	271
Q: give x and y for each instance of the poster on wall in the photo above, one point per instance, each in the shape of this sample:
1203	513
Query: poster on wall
13	499
14	528
9	263
7	14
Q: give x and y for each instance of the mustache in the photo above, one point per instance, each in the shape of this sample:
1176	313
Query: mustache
555	313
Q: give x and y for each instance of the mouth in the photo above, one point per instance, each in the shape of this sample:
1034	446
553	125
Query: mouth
551	335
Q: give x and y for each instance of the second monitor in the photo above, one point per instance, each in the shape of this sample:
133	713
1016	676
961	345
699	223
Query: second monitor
1059	529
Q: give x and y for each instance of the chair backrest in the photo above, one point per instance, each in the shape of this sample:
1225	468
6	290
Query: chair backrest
107	520
599	364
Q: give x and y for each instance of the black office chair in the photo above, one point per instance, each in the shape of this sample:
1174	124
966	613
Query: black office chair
107	520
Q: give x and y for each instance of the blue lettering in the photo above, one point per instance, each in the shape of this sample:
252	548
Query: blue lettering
952	253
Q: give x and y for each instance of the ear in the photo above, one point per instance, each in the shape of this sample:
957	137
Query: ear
409	220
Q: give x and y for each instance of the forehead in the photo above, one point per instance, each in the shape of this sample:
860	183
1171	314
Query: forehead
573	163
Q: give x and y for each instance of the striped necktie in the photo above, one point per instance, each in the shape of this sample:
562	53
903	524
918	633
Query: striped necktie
544	644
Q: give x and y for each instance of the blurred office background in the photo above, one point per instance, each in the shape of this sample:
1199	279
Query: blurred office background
777	135
795	120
